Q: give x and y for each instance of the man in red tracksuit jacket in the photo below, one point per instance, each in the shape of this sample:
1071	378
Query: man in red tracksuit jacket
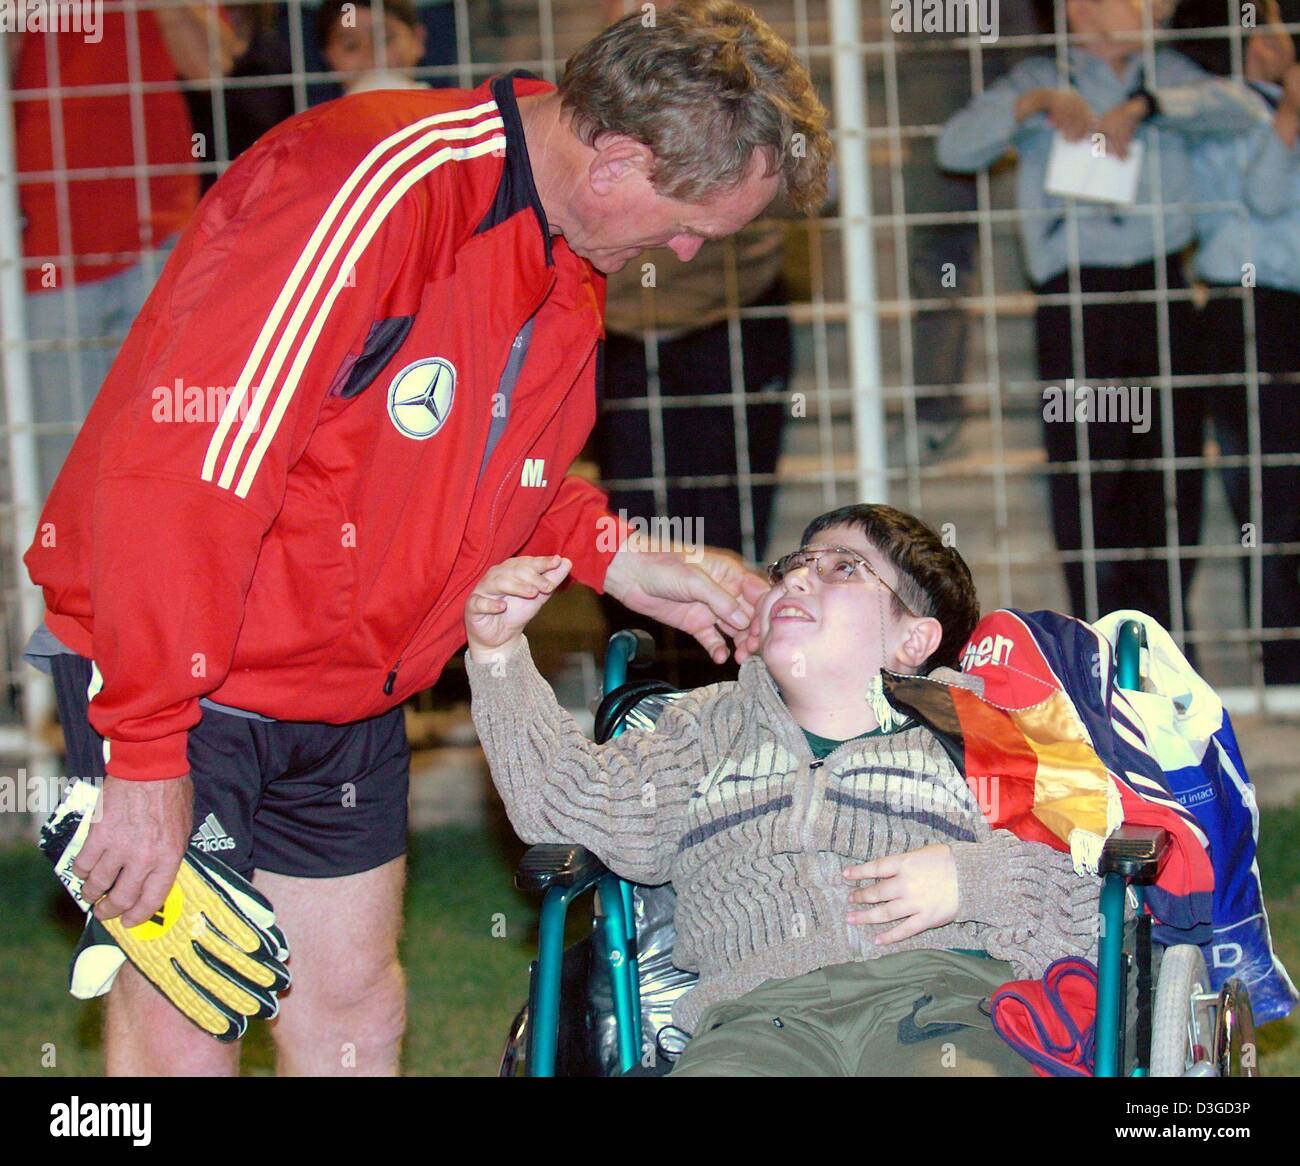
358	384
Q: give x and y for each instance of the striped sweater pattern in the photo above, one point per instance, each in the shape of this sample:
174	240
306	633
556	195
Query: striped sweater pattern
725	800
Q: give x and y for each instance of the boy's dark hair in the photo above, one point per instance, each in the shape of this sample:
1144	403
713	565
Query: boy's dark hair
933	579
330	13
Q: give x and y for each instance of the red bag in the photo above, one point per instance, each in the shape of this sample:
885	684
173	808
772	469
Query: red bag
1051	1022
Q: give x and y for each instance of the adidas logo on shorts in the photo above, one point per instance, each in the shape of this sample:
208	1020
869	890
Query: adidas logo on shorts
211	835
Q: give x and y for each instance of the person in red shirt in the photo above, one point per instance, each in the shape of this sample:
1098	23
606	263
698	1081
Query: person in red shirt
107	181
360	380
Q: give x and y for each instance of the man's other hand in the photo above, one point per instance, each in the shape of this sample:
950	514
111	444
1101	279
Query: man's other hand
133	852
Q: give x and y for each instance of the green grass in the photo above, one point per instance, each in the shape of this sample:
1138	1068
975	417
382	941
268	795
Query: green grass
465	982
1279	870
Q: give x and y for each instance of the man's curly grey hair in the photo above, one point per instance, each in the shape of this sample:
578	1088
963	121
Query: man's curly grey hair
704	85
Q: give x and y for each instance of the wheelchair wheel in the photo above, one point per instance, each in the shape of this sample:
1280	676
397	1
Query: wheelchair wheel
1182	1026
512	1058
1234	1032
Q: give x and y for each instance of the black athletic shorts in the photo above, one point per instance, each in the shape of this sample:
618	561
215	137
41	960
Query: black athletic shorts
291	797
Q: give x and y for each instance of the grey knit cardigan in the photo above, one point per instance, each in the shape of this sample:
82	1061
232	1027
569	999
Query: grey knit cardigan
725	800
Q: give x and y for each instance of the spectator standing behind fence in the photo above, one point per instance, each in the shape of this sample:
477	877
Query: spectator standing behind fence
248	111
1249	235
1119	250
367	53
941	256
683	311
101	239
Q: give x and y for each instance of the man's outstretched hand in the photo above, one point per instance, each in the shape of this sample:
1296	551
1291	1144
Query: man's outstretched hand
702	592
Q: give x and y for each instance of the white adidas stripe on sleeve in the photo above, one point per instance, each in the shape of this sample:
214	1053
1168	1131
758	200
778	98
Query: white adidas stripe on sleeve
315	267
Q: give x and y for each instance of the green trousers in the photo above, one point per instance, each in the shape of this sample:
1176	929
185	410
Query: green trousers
911	1014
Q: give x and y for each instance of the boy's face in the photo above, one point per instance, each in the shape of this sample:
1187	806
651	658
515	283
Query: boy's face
817	633
350	51
1107	27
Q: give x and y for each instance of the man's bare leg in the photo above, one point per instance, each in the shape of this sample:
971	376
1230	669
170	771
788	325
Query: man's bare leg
145	1035
346	1010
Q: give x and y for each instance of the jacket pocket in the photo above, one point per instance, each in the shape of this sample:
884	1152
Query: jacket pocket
303	592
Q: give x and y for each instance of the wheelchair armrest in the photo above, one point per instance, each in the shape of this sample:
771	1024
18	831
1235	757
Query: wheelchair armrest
615	705
1136	852
557	864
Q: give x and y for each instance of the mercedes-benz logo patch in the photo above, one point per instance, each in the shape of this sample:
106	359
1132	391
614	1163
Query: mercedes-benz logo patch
420	397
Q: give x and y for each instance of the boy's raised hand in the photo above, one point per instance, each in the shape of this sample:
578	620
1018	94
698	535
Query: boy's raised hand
506	598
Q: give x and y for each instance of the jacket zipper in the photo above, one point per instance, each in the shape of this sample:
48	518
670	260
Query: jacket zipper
391	683
818	782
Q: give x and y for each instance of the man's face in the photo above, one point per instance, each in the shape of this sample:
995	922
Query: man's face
816	632
621	215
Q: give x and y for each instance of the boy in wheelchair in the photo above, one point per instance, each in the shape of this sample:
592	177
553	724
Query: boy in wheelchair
840	893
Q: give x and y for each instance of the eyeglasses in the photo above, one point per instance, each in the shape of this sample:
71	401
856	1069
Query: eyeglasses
833	565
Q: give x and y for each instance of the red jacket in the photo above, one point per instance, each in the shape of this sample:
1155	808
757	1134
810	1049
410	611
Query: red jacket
275	500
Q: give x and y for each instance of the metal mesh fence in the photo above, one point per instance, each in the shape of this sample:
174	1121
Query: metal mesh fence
884	348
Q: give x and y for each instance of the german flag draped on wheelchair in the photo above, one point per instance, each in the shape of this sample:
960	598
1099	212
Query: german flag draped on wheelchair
1096	740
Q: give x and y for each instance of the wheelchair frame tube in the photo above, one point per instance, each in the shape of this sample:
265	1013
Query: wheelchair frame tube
1128	655
634	958
625	975
622	967
1111	982
1110	978
617	921
621	649
616	926
543	1032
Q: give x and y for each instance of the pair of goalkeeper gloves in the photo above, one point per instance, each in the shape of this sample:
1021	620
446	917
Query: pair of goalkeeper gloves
212	948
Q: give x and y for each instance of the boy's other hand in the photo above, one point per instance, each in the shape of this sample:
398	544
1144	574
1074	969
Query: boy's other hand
917	889
1118	125
1291	88
1286	122
506	598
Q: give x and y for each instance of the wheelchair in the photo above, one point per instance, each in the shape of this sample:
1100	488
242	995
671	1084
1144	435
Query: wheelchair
602	1007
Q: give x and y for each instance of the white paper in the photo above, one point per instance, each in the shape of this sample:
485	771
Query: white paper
1074	172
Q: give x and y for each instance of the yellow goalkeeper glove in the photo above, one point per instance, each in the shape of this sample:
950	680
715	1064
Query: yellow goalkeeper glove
212	948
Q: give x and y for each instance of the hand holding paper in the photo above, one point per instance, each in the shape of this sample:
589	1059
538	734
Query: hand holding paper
1074	171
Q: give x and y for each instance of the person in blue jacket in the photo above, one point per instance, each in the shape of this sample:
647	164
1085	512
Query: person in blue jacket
1112	86
1247	193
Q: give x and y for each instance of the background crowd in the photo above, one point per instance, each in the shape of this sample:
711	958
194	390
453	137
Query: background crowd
1192	291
